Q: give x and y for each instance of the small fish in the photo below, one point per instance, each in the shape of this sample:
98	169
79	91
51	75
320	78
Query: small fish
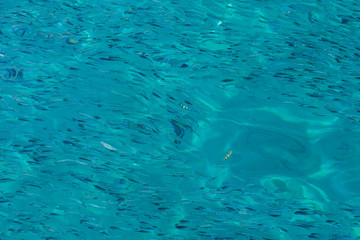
129	11
72	41
19	31
13	73
227	155
108	146
184	107
179	131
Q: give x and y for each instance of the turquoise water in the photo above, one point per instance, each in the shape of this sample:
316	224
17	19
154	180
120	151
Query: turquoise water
159	119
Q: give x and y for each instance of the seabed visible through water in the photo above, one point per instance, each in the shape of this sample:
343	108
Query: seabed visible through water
179	120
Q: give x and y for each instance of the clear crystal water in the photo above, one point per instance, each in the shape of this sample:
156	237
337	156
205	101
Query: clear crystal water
165	119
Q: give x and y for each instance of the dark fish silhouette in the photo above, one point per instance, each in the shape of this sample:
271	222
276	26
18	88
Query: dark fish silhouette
12	73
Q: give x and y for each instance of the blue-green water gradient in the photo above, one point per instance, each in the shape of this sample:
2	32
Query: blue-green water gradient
183	120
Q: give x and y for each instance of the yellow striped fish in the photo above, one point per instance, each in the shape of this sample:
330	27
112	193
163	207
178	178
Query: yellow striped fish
227	155
184	107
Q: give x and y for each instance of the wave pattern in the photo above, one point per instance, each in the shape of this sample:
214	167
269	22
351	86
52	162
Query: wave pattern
160	119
